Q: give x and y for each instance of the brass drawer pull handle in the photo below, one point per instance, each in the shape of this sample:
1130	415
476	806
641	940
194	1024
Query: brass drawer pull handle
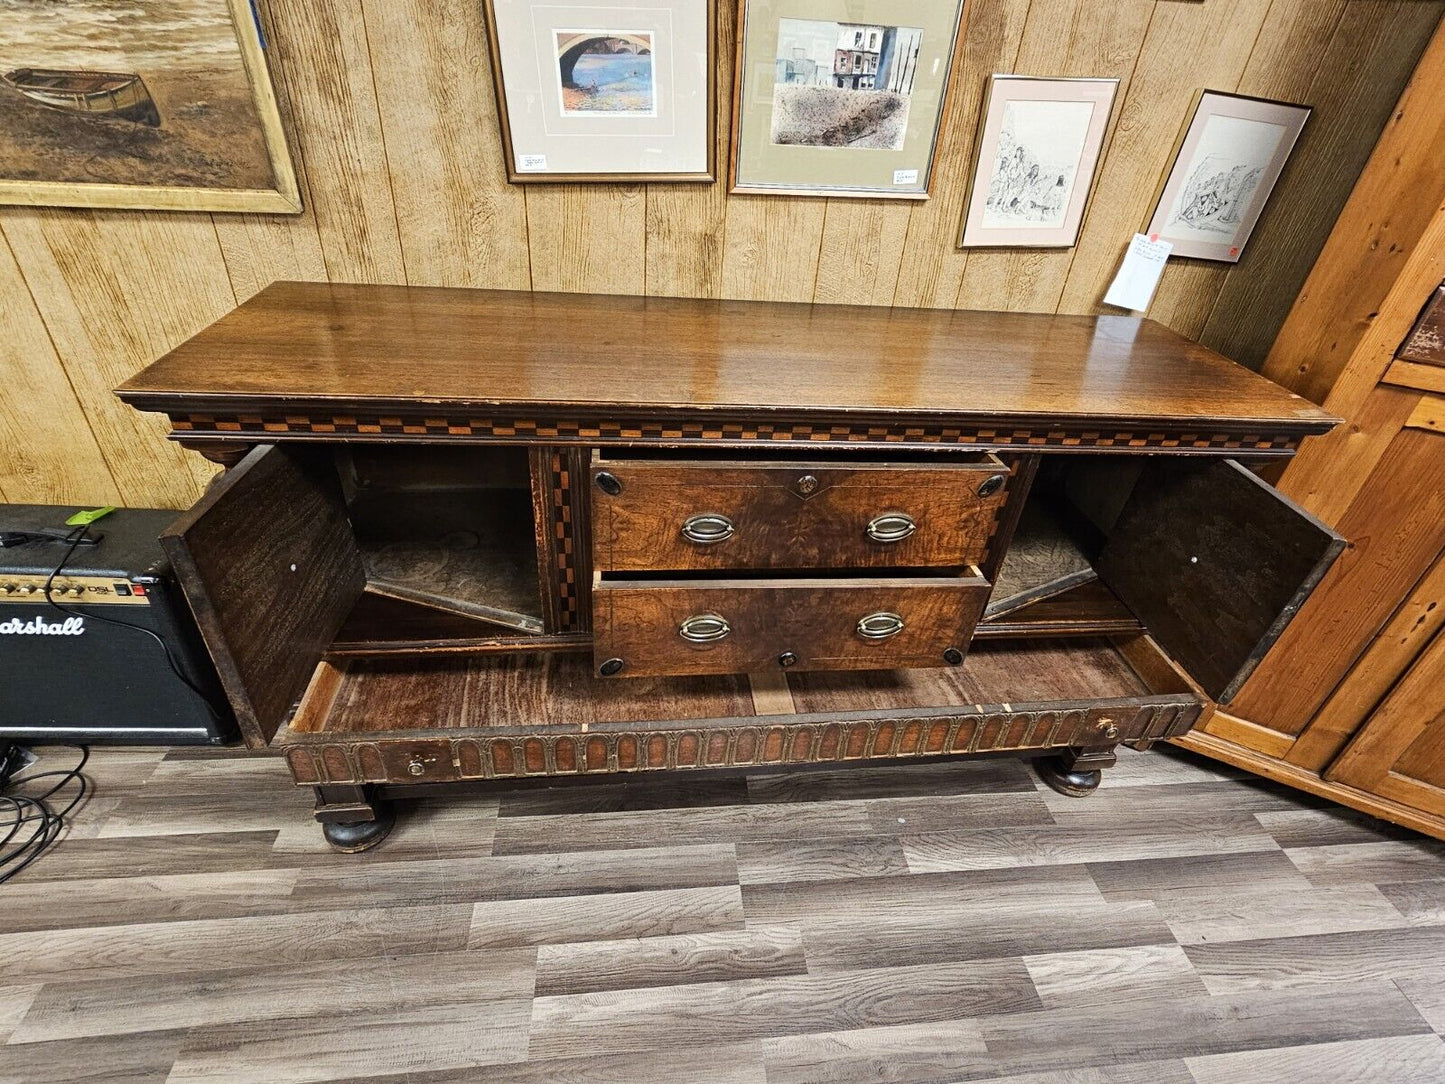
707	528
891	527
880	626
704	628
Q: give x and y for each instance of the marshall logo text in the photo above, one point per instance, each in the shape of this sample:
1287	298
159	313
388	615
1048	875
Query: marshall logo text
71	626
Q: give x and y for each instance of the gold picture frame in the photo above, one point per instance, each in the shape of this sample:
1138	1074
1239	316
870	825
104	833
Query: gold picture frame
794	156
112	98
701	109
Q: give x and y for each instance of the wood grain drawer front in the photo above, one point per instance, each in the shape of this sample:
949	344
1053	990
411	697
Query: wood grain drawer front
733	627
677	515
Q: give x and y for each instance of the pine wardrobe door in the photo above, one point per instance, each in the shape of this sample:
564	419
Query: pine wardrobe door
1399	752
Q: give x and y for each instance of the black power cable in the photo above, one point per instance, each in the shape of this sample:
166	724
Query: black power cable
75	539
17	849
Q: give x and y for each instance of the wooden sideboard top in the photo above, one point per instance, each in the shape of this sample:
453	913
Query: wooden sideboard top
407	348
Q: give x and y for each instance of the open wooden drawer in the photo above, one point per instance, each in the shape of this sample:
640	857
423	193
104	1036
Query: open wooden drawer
1207	556
547	714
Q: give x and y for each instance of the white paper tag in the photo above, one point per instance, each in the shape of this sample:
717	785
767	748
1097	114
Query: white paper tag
1133	287
531	163
905	176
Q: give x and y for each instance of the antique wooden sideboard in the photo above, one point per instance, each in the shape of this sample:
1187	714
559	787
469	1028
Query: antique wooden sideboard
470	535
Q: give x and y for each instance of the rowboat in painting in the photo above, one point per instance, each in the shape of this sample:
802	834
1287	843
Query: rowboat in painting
111	94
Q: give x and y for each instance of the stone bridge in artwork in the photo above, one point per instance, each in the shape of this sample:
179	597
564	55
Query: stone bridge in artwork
570	48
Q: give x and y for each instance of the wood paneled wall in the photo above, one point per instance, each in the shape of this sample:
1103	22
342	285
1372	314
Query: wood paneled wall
390	111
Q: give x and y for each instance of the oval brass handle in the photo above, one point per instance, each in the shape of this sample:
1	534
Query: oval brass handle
890	527
706	528
880	626
704	628
416	766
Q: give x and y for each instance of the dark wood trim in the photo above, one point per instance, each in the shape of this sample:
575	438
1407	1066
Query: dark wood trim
682	428
520	752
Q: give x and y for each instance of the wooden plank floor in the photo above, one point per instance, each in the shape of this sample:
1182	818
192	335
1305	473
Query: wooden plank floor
928	923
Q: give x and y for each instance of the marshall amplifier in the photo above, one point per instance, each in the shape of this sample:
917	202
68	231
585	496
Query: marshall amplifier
112	655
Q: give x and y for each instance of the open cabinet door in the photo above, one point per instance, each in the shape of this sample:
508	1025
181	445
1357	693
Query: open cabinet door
270	567
1215	562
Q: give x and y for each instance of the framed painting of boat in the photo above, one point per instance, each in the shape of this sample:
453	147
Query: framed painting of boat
155	104
608	93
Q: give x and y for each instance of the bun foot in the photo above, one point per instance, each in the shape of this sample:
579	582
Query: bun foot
1075	782
353	837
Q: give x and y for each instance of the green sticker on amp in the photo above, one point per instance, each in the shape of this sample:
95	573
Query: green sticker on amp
87	517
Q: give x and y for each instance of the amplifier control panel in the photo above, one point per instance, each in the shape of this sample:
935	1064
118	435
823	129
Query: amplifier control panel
73	590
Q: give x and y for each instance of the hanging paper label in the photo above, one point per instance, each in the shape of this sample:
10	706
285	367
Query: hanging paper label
1133	287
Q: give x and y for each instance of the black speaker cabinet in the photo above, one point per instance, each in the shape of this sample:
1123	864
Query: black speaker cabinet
79	665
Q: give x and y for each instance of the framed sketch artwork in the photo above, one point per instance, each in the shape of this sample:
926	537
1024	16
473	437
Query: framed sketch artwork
1228	160
840	97
1035	158
605	92
154	104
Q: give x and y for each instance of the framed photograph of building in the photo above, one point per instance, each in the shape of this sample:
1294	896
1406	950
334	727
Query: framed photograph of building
153	104
841	97
589	92
1035	158
1229	157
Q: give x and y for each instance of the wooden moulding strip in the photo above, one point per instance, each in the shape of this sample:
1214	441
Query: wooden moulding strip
1251	735
1412	374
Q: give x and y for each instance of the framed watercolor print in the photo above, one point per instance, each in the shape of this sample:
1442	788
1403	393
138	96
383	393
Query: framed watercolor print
1229	157
841	97
606	92
162	105
1035	159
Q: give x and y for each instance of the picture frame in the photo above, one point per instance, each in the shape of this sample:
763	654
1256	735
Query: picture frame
605	93
839	97
1037	154
101	112
1227	160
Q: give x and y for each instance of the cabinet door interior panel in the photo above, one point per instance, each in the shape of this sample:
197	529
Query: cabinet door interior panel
1215	563
270	569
